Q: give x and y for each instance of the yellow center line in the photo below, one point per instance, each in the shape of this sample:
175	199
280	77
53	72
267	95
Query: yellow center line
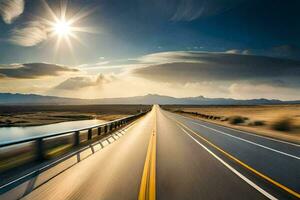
290	191
148	182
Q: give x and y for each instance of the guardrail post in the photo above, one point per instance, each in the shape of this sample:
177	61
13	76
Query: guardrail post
99	130
105	129
89	134
40	153
76	138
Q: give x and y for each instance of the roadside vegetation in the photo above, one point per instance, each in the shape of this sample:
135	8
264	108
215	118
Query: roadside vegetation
283	124
279	121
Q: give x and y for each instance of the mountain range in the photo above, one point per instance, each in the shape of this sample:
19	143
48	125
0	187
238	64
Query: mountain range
29	99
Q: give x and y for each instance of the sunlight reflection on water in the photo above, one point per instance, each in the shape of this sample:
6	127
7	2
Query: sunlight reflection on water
17	133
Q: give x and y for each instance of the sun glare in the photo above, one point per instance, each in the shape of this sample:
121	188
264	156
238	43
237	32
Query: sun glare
62	28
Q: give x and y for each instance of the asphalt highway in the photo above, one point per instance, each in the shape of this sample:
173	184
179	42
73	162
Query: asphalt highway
167	156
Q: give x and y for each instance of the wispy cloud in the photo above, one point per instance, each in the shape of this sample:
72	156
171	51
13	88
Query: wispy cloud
33	70
189	10
11	9
94	65
30	34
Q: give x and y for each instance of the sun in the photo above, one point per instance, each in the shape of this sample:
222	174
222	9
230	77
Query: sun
62	28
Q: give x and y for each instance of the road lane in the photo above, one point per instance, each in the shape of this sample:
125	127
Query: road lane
187	171
282	168
112	173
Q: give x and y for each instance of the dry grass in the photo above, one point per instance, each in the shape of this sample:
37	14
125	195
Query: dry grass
279	121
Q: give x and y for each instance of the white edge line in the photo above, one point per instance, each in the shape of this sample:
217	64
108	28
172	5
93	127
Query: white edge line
232	169
261	136
250	142
252	134
244	140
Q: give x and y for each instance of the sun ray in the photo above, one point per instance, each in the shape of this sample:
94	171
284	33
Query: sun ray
80	15
74	36
57	45
84	29
71	48
48	8
63	10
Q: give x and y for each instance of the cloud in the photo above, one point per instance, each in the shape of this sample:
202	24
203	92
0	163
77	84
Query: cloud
80	82
233	51
184	67
189	10
247	52
11	9
238	51
30	34
33	70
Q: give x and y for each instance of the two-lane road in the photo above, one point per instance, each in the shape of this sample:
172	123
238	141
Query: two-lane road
167	156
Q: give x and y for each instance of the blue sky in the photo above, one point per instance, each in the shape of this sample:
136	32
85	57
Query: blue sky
118	35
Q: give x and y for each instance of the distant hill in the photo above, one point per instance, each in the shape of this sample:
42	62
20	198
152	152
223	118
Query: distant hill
13	99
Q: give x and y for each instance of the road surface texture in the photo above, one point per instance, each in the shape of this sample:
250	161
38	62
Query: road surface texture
168	156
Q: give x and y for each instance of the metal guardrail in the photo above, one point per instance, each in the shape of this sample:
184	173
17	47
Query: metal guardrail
101	129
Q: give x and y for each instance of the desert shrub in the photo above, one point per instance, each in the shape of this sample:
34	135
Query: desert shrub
223	119
257	123
282	124
217	118
236	120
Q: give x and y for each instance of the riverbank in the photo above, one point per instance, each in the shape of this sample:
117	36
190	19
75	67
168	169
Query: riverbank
36	115
40	118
